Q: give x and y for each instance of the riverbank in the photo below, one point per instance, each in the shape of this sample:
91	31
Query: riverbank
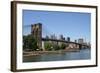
36	53
82	54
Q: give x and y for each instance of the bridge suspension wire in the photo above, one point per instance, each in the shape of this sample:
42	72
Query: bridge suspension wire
26	26
26	29
45	30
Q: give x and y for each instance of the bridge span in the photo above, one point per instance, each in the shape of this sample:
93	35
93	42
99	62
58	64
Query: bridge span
36	31
74	44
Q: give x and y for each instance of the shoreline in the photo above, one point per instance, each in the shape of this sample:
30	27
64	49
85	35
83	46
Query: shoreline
36	53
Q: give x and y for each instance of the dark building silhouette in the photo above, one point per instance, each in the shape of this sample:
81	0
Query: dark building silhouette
75	41
62	37
47	37
68	39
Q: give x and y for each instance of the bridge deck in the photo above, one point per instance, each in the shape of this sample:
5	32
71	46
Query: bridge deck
58	40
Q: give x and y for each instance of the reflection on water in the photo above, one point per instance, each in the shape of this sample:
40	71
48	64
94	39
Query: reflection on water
80	55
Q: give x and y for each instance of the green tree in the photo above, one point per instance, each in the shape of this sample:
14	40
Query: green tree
63	46
25	45
48	46
56	47
29	42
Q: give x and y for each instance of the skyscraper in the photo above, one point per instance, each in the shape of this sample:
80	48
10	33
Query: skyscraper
68	39
62	37
81	41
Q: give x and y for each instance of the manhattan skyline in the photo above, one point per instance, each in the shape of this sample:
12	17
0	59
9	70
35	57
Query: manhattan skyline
70	24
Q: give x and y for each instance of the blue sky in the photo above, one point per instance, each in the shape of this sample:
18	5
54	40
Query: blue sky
70	24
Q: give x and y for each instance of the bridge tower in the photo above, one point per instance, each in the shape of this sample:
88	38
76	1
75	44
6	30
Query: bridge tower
36	31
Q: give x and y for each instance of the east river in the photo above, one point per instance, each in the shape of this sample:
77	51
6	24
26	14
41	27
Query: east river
79	55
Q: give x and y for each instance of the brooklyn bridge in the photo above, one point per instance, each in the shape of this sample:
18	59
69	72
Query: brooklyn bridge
37	29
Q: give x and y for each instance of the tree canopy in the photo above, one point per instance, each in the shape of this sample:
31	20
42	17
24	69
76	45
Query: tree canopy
29	42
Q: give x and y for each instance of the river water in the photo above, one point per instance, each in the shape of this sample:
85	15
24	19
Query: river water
79	55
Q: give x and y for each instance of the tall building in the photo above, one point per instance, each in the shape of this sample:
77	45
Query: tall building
81	41
53	36
47	37
75	41
36	31
62	37
68	39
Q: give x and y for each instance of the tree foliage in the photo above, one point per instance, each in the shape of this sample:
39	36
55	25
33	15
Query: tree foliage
56	47
63	46
48	46
29	42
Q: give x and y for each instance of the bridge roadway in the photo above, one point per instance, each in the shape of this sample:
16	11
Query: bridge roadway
58	40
